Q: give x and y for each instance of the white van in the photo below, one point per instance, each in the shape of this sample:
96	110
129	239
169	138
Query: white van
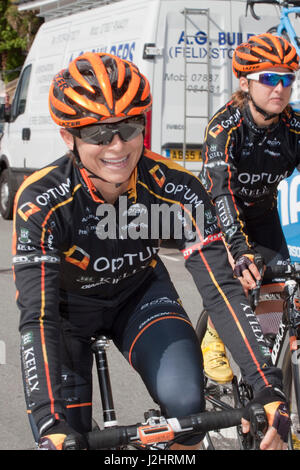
184	47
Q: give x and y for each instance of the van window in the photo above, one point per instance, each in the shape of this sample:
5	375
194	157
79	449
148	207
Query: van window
19	102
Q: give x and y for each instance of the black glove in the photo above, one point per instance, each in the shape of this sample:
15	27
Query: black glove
242	264
54	437
274	403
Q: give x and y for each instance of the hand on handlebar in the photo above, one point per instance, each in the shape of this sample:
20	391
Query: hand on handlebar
249	269
276	409
54	437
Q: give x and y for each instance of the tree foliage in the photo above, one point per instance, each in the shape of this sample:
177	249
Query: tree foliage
17	31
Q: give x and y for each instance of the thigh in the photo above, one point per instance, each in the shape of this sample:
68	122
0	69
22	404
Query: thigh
269	240
160	342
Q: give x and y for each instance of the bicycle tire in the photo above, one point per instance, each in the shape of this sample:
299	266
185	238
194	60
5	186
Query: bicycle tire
289	390
201	327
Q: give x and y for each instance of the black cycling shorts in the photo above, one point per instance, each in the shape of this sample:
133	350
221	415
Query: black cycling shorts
155	335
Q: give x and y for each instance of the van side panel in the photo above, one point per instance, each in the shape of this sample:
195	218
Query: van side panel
197	57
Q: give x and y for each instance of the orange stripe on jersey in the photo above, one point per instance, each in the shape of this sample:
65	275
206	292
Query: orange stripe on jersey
155	156
53	209
239	326
212	119
43	301
79	405
92	189
30	180
207	130
43	341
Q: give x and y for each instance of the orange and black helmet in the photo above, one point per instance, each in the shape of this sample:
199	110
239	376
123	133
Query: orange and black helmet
263	52
95	87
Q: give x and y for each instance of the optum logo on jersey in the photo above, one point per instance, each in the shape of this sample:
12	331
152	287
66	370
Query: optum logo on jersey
160	221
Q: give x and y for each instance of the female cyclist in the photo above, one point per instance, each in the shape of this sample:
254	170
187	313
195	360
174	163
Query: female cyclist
81	268
251	144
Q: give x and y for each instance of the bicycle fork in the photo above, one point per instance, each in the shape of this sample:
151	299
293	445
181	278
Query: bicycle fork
99	347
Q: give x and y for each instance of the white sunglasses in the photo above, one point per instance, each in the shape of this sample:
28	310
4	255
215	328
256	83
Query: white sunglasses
273	78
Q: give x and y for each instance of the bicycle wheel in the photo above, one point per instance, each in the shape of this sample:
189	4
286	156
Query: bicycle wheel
291	384
218	397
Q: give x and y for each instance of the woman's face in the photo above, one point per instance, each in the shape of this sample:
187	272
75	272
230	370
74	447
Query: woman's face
273	100
113	162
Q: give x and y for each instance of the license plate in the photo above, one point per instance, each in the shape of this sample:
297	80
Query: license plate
190	155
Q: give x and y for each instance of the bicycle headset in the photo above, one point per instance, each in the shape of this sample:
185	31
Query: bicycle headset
264	52
93	88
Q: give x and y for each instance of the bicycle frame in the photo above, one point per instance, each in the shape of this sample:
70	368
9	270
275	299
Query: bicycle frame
288	333
158	432
286	25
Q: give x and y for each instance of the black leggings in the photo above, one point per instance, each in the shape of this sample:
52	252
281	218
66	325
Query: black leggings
267	235
155	335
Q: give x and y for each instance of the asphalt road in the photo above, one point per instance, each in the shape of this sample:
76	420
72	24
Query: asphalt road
130	396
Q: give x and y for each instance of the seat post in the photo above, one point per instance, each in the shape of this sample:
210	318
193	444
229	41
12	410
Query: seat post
99	346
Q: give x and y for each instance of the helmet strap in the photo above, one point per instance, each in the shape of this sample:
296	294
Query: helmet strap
92	174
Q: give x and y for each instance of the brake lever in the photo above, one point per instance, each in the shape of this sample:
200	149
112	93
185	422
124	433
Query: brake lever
73	442
258	424
258	427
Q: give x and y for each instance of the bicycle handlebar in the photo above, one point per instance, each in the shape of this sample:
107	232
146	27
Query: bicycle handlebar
287	271
163	431
251	3
148	434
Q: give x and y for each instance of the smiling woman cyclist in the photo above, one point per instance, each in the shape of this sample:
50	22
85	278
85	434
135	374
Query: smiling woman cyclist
251	144
74	282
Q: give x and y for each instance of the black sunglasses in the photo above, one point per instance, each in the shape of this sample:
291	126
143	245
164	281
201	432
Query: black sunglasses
103	134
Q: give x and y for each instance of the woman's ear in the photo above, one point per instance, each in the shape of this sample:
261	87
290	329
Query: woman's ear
244	85
68	138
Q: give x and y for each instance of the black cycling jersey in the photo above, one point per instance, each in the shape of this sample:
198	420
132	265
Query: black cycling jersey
243	165
60	252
